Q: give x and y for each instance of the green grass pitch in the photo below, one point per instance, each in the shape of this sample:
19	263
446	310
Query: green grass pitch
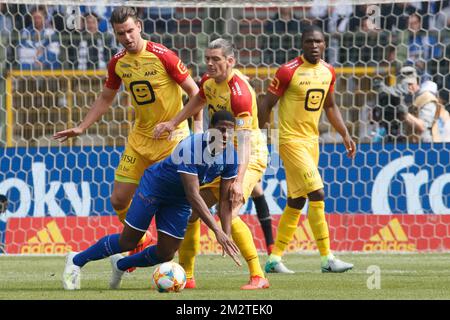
403	276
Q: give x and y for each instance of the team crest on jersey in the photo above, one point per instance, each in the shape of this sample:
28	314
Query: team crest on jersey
142	92
314	99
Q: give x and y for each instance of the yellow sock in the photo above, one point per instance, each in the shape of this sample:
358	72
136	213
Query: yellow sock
319	226
189	248
286	229
144	237
243	238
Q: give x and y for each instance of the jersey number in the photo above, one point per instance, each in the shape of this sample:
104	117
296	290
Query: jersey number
142	92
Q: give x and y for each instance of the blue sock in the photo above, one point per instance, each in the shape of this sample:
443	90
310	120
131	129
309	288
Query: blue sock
145	258
105	247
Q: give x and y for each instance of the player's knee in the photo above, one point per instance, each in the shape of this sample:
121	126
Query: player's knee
297	203
119	202
318	195
257	192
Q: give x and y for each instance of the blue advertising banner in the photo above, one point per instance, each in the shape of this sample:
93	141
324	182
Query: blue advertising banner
382	179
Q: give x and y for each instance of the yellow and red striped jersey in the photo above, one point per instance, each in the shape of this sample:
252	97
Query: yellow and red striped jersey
302	88
152	77
237	96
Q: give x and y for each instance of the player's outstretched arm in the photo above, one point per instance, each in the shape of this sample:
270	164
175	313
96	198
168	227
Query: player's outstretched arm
192	190
194	106
190	87
244	150
335	118
265	105
99	108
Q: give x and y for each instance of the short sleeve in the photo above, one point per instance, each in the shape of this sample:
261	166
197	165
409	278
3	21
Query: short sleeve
187	168
333	77
230	172
241	98
173	65
113	81
281	81
202	82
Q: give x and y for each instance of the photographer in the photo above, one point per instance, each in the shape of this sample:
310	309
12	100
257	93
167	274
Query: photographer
425	111
418	107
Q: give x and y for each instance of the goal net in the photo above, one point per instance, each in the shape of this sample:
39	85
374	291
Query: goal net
394	196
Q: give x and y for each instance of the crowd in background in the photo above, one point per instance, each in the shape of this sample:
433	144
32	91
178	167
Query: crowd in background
411	33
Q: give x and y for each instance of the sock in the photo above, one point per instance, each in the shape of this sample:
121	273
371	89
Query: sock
243	238
105	247
286	229
145	258
262	211
122	213
189	248
274	257
324	259
319	226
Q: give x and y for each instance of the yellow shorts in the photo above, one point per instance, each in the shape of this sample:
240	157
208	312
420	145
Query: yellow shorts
300	159
141	152
254	173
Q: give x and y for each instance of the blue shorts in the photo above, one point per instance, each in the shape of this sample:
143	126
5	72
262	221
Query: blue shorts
171	216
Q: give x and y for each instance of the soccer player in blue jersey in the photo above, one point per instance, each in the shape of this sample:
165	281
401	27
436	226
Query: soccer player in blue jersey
168	191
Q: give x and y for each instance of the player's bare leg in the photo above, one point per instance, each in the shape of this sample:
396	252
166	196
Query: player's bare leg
121	197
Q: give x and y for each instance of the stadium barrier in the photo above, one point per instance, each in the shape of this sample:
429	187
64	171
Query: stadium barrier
356	233
390	197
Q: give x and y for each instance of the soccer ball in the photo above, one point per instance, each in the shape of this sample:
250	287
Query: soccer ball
169	277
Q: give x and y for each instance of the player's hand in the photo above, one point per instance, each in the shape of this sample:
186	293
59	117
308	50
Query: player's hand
66	134
228	246
163	127
236	194
350	146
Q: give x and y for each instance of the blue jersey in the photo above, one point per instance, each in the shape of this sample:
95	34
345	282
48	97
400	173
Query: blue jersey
191	156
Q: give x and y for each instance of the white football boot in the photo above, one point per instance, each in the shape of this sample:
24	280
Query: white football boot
335	265
116	276
72	274
273	266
